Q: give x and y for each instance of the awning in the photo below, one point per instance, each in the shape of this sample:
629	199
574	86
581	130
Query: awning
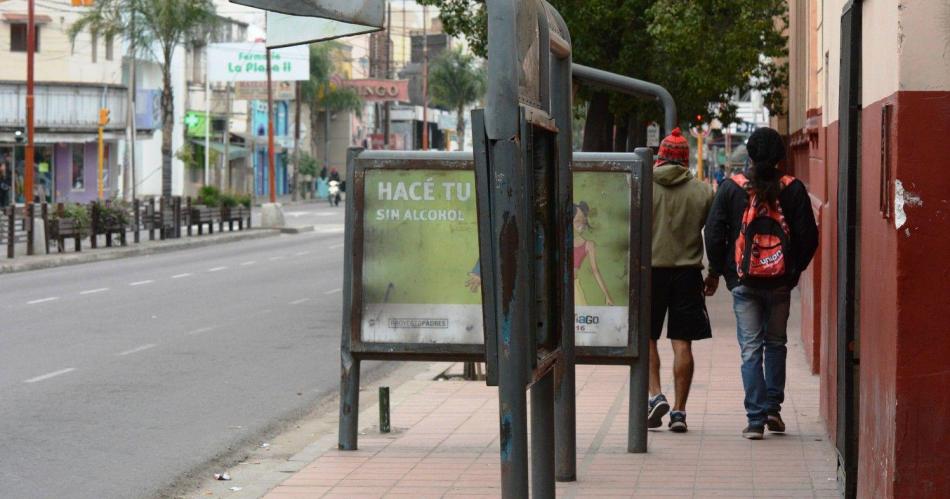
14	18
234	152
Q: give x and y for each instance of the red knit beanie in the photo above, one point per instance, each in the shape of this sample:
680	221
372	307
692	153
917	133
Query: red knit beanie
673	149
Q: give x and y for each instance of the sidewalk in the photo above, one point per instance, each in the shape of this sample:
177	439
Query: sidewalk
445	438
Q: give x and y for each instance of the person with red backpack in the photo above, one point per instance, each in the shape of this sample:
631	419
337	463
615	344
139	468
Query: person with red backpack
760	235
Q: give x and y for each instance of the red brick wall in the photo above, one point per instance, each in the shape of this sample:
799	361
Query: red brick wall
921	426
877	318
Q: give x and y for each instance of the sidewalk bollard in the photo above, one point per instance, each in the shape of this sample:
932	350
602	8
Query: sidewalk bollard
384	409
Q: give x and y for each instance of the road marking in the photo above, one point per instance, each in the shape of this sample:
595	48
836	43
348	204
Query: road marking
179	276
138	349
301	253
298	302
273	258
202	330
216	269
93	291
141	283
50	375
244	264
333	291
336	246
42	300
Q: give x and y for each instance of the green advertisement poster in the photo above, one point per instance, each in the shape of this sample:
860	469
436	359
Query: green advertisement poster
601	258
421	277
420	262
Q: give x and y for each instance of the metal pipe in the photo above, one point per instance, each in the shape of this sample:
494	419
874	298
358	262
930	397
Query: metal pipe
542	441
639	371
349	365
630	86
271	183
565	413
29	152
384	409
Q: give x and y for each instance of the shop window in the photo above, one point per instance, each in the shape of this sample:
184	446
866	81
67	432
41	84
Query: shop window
18	34
78	178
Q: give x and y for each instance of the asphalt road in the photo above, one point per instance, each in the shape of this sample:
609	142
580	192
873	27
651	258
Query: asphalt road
117	378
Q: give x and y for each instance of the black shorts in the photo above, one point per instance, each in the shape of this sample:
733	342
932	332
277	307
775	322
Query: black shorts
679	290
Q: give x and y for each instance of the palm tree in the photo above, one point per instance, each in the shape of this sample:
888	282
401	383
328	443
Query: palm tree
320	92
456	80
155	26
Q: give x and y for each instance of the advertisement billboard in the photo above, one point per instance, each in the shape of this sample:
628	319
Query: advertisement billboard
236	62
420	258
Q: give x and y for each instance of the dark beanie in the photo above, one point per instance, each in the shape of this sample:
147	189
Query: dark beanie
765	147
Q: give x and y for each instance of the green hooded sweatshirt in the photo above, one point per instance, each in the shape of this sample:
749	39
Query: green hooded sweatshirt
680	206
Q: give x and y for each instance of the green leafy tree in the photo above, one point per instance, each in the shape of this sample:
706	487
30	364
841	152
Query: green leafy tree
157	27
456	79
320	92
700	50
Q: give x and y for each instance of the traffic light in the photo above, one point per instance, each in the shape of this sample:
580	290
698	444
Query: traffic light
699	118
103	116
18	136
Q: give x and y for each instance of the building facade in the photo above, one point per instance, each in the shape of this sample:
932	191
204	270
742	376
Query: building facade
869	110
72	82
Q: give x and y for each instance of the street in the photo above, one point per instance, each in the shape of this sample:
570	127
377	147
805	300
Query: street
119	377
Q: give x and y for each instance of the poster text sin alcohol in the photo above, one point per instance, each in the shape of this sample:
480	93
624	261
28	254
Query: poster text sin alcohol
425	191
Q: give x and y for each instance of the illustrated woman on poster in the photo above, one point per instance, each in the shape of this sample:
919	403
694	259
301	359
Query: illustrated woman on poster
585	249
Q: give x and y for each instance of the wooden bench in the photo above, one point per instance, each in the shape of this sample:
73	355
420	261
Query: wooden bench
62	229
201	215
101	227
231	214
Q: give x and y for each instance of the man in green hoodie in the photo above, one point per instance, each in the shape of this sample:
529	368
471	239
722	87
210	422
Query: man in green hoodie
680	206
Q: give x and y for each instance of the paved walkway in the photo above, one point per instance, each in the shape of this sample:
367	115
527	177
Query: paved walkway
445	442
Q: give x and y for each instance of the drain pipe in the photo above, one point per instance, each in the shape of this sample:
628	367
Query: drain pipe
630	86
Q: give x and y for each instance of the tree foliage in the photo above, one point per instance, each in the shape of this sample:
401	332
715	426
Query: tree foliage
701	50
456	79
321	93
157	27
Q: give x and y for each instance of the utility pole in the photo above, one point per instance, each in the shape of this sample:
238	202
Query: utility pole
226	168
425	78
271	182
388	104
208	114
296	138
28	159
128	180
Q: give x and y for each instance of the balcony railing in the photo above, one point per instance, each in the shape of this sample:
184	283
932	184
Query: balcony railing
63	106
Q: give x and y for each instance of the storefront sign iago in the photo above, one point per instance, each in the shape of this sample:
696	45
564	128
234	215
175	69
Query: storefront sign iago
248	62
380	90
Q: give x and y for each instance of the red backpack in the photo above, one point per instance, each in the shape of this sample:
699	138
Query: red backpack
762	246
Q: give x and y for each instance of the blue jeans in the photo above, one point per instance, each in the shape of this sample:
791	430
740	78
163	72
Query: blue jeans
761	322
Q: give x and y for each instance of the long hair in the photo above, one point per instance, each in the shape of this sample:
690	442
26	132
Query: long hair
584	208
766	148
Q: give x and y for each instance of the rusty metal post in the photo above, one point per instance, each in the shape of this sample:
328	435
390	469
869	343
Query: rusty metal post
639	371
511	236
542	445
565	417
349	364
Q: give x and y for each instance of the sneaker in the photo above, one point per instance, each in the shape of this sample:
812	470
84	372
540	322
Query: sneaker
753	432
775	423
678	422
657	409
